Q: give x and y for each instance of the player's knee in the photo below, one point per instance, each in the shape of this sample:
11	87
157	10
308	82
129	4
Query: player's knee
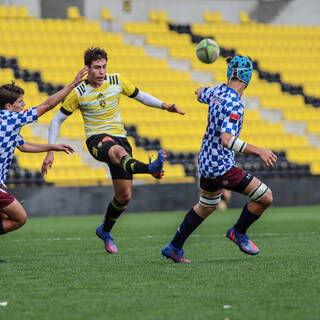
268	198
116	153
206	211
20	220
124	198
208	204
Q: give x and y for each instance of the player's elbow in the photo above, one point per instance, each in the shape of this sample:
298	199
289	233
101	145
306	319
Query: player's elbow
21	148
225	138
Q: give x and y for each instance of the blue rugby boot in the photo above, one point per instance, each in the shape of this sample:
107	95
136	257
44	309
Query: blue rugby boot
156	166
109	244
243	241
176	255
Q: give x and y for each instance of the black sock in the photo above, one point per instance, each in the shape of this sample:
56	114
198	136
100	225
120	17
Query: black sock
113	212
190	223
131	165
245	220
1	227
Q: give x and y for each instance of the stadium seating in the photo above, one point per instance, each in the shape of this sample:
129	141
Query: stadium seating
278	43
44	54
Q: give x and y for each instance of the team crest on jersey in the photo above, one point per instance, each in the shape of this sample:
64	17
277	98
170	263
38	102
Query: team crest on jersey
102	103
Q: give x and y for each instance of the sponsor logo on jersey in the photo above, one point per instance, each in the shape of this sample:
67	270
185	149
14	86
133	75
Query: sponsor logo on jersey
234	118
100	95
107	139
217	100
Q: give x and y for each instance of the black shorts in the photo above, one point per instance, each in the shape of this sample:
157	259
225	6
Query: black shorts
99	145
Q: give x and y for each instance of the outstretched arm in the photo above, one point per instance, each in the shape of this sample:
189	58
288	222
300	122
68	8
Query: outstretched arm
149	100
56	98
231	142
54	129
31	147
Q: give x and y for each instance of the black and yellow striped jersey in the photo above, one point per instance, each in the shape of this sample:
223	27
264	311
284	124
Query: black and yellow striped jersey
100	106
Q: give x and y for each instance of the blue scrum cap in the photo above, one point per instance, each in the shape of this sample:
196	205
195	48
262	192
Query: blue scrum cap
240	67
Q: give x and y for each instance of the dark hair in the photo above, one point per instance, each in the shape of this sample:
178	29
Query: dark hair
94	54
9	93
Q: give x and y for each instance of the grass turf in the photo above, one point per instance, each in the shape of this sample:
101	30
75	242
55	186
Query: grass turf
58	269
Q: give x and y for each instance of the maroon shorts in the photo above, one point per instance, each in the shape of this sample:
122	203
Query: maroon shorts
6	198
236	179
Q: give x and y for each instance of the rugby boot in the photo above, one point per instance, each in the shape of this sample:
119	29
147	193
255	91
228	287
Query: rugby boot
176	255
242	241
156	166
109	244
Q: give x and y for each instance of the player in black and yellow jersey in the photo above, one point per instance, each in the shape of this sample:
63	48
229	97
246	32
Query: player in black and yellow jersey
97	98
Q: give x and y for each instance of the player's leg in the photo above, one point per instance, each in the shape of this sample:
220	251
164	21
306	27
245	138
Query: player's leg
261	199
117	151
225	199
119	156
122	184
208	202
15	216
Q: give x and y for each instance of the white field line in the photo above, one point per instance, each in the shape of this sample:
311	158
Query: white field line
290	234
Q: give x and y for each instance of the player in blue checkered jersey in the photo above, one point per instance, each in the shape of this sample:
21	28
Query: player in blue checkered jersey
216	163
12	119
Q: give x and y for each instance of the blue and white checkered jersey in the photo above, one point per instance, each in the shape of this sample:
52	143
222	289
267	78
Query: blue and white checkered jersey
225	114
10	126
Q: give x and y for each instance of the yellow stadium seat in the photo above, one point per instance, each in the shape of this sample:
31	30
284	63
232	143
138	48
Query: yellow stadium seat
22	12
73	13
3	11
12	12
213	17
244	17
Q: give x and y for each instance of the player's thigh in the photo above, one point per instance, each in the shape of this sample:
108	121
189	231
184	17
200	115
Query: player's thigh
122	190
15	211
258	191
99	146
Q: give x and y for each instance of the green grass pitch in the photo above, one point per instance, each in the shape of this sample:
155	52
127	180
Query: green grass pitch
58	269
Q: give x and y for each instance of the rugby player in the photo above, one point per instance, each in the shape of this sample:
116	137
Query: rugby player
217	167
98	101
12	118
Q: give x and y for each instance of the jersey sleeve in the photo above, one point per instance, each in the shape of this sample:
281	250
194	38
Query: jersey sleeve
70	103
205	95
232	119
19	140
128	88
24	117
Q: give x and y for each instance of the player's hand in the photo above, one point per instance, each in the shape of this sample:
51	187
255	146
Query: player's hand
172	108
80	76
199	91
47	162
268	157
62	147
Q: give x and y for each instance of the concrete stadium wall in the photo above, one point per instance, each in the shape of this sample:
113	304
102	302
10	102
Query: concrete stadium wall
61	201
300	12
